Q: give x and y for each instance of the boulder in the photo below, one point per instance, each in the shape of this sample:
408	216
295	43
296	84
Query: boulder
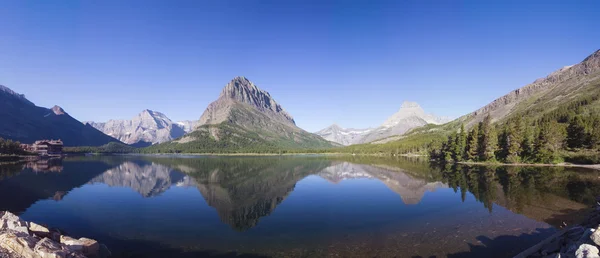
13	222
19	242
91	247
46	248
587	251
38	230
71	243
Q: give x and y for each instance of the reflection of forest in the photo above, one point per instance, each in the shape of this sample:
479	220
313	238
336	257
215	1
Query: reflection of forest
550	194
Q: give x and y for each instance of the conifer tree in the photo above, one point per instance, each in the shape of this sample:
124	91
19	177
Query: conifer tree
472	144
548	142
448	151
488	140
459	147
527	143
576	133
513	140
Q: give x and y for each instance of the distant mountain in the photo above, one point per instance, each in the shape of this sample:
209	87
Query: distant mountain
244	118
22	121
410	116
344	136
147	128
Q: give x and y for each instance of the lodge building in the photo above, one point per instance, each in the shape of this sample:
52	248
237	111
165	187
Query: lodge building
47	147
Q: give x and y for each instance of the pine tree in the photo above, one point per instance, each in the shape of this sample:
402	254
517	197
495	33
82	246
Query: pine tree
576	133
488	140
548	142
472	146
527	143
449	148
503	144
459	147
491	145
513	140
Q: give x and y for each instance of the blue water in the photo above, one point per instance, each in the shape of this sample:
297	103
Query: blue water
294	206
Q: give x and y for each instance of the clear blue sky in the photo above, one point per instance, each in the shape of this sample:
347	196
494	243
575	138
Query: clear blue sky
350	62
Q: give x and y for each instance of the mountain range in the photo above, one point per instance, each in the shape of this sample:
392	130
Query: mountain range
147	128
25	122
410	116
245	118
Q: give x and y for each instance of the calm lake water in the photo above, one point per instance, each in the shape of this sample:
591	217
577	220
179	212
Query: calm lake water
297	206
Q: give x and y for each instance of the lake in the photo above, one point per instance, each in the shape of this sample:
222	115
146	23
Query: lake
297	206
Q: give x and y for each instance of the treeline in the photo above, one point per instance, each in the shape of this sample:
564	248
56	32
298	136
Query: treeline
111	147
10	147
411	144
549	139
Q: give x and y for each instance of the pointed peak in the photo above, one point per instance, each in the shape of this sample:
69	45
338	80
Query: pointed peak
58	110
410	104
240	79
147	111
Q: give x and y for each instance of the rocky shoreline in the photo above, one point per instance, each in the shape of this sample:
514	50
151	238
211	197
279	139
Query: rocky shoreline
19	238
580	241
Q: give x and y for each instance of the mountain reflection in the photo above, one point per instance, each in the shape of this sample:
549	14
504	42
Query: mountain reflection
148	179
410	189
242	190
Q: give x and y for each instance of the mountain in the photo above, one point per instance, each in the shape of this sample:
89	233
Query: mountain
147	128
546	94
25	122
244	118
410	116
571	93
343	136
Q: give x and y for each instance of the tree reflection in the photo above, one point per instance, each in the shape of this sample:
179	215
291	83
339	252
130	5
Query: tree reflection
542	193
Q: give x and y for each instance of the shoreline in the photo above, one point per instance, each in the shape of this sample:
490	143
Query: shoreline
589	166
19	238
580	238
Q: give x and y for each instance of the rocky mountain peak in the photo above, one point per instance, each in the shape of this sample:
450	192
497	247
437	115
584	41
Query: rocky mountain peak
58	110
242	90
